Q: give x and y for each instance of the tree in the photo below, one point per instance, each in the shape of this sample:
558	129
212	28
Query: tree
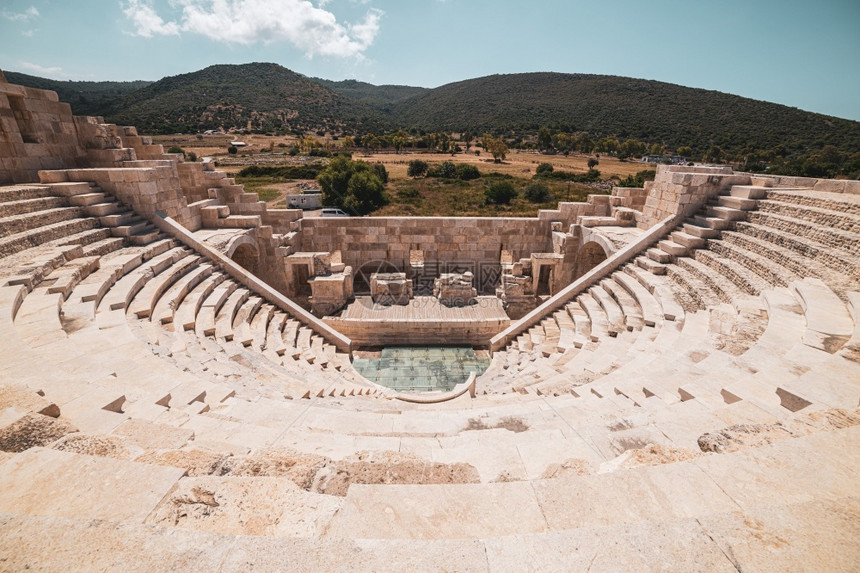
713	155
685	151
232	150
417	168
354	186
592	163
537	193
501	193
496	147
544	141
544	168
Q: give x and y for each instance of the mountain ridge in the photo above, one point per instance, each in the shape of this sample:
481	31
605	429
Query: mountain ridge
270	98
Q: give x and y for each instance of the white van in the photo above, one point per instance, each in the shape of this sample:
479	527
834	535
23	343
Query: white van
329	212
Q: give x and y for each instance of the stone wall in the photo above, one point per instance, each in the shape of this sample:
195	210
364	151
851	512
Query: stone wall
37	131
682	190
444	241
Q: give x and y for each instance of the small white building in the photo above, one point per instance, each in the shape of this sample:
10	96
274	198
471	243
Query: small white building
309	200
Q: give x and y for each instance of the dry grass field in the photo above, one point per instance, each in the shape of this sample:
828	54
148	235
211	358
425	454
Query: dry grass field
410	197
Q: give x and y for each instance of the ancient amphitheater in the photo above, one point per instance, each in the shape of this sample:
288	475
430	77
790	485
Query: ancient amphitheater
681	395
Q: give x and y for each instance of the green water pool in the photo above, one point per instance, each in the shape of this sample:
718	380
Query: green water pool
422	368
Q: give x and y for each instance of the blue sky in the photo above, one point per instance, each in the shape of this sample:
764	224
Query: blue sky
803	54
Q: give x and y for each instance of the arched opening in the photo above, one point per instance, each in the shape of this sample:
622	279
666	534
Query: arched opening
247	256
361	282
589	256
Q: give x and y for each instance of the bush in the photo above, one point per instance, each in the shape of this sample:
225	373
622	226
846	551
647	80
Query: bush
447	170
537	193
501	193
417	168
232	150
192	157
639	179
592	163
176	149
381	172
354	186
319	152
294	151
466	172
544	169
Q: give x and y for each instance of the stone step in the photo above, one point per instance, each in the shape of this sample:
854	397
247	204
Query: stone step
701	488
734	202
651	311
651	266
21	192
771	272
146	299
798	230
725	213
700	231
745	280
659	255
600	325
655	284
25	206
843	221
687	240
834	202
87	199
45	234
165	309
828	323
104	209
16	224
614	313
188	311
713	222
749	191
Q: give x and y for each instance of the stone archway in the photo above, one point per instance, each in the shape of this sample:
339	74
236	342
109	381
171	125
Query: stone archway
247	256
589	256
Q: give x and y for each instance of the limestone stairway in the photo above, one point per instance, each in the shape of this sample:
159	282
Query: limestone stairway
197	451
786	504
717	293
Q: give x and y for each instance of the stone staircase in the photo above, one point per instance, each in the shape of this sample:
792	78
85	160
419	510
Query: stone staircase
702	416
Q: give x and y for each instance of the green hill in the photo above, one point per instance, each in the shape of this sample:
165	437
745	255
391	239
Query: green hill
647	110
271	98
261	97
377	96
86	98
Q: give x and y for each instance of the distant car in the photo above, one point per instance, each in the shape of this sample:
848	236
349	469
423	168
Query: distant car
333	213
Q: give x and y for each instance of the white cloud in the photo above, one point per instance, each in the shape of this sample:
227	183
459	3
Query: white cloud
310	28
41	70
24	16
147	22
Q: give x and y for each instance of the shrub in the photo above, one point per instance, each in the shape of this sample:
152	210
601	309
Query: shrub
417	168
592	163
192	157
544	168
381	172
176	149
354	186
537	193
467	172
319	152
639	179
501	193
232	150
